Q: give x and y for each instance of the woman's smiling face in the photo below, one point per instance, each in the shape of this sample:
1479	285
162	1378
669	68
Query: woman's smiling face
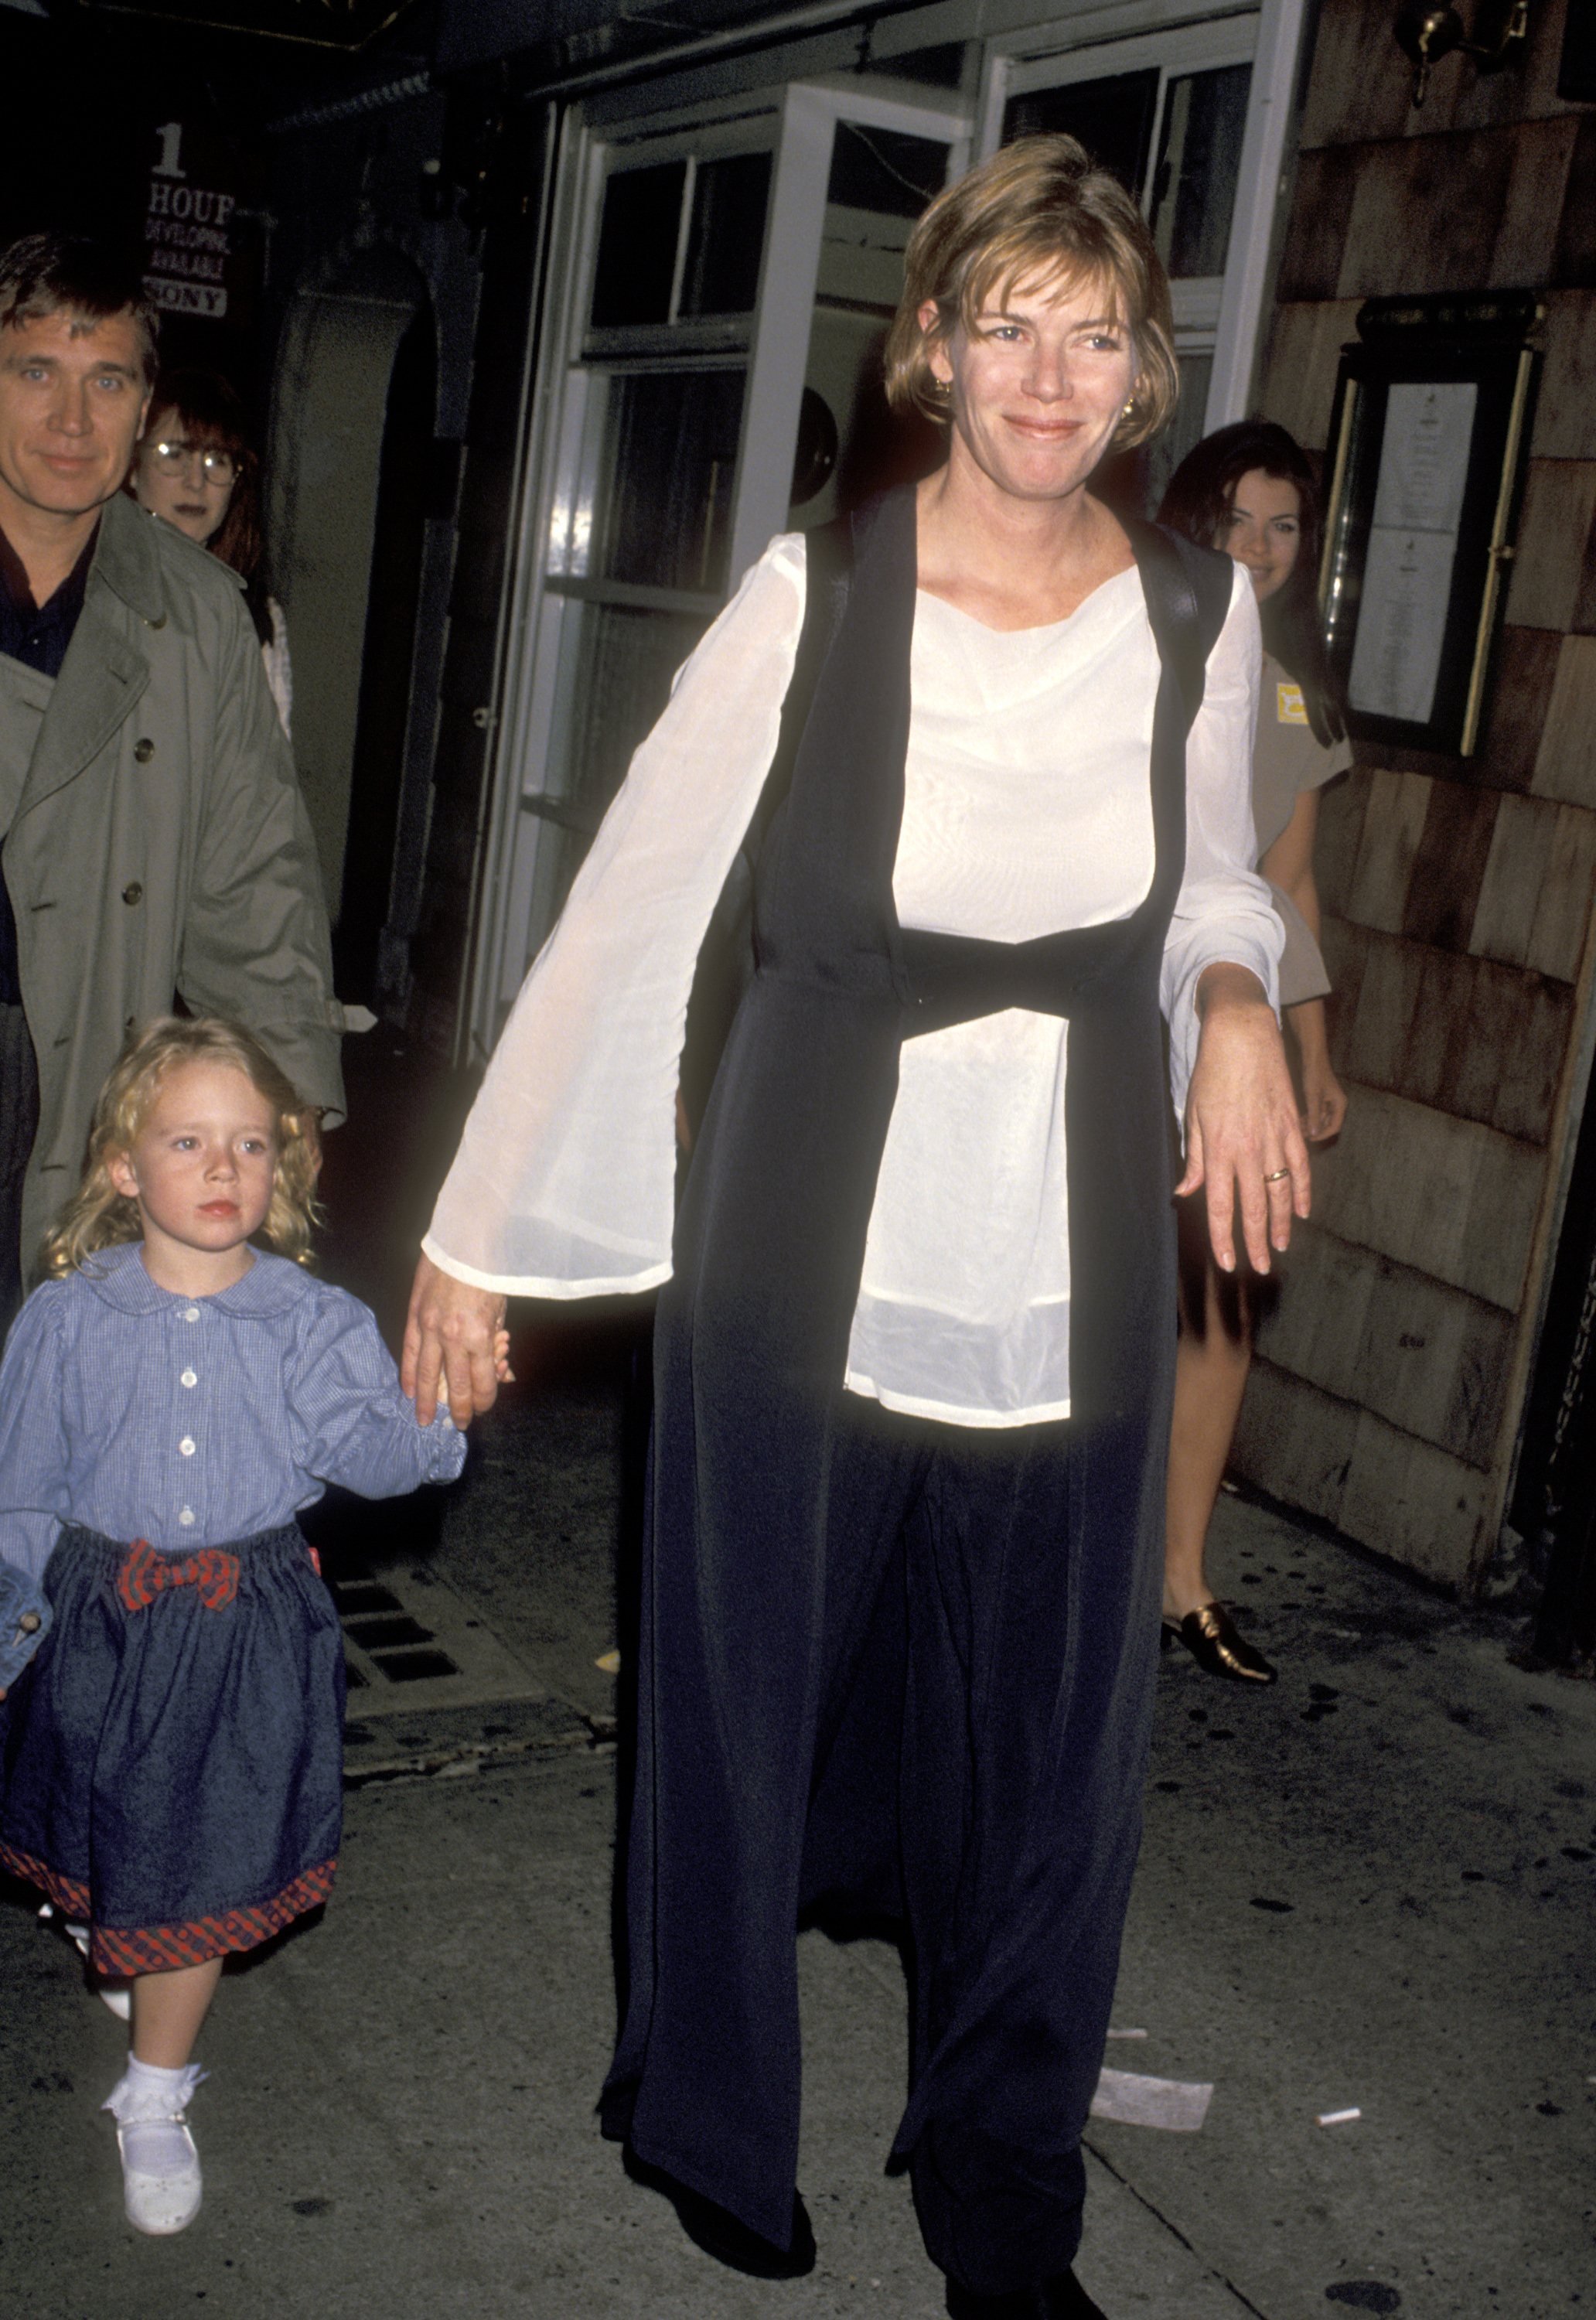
1264	531
1039	384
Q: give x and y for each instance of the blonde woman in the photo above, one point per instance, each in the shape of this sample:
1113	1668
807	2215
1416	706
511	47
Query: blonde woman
914	1341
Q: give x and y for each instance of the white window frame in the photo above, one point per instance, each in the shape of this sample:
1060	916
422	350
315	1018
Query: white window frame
1097	41
798	121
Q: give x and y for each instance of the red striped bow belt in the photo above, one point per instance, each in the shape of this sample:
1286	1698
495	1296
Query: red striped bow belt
145	1572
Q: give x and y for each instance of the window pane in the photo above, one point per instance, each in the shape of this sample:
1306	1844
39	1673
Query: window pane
727	235
881	170
667	478
1198	167
616	678
1112	118
637	251
1135	482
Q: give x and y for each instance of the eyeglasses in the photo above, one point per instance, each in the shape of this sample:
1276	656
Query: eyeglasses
172	459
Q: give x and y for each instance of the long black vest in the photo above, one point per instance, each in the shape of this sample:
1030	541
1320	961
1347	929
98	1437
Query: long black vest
751	1333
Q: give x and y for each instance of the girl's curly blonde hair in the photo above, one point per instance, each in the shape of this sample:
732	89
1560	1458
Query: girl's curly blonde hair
98	1216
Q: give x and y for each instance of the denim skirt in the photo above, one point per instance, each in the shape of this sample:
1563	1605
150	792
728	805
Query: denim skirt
171	1759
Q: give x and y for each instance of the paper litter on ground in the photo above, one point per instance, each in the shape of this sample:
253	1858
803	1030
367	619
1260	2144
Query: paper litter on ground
1180	2105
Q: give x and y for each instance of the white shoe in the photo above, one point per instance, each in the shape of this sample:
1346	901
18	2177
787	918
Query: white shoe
160	2169
110	1990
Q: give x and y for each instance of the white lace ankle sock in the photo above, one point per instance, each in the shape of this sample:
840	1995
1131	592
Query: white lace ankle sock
147	2104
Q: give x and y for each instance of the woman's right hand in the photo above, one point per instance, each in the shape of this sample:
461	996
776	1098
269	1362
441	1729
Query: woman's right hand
454	1334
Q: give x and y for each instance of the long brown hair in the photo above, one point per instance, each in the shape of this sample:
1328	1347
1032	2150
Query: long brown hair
211	416
1201	495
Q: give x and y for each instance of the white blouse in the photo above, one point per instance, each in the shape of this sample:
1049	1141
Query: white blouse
1027	808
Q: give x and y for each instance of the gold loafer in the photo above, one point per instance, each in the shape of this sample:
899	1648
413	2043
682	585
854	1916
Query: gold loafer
1209	1635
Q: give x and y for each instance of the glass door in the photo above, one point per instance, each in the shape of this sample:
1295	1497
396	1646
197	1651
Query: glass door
706	382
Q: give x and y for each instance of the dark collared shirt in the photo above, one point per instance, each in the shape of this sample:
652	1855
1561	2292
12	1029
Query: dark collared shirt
38	636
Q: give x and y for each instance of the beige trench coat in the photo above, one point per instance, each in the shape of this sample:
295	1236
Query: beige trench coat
156	841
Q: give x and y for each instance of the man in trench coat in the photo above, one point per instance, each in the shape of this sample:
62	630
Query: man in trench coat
155	840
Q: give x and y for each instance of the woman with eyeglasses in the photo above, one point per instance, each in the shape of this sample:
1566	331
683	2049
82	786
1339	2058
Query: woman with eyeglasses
196	467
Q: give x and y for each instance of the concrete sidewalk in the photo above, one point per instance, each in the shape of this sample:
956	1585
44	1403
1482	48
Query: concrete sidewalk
1370	1887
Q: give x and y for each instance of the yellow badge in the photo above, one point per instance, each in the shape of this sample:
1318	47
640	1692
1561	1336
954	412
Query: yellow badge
1288	706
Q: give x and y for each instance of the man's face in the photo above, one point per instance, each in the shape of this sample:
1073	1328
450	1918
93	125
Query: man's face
71	405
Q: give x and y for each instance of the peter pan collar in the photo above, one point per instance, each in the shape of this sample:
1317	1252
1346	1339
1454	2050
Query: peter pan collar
117	1275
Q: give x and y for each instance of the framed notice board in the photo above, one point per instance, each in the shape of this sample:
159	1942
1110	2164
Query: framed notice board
1424	474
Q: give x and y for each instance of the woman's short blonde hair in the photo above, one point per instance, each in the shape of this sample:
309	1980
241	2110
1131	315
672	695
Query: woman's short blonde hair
98	1216
1038	213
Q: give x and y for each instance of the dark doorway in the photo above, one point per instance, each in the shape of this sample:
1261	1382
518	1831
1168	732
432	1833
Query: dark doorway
1554	1497
378	774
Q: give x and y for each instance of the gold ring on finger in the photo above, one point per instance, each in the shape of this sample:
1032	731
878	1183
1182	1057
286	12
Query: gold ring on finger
1277	1176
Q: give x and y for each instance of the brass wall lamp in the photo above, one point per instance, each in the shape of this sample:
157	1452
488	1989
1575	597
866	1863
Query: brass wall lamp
1429	33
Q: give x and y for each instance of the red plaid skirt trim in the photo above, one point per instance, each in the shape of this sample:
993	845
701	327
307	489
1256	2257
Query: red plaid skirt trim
68	1895
121	1950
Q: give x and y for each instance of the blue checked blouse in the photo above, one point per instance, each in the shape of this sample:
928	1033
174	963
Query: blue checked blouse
190	1422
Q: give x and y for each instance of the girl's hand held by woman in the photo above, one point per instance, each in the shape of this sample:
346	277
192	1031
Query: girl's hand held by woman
1244	1139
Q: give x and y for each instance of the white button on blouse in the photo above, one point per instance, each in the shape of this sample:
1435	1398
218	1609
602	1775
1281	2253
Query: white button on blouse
188	1378
187	1445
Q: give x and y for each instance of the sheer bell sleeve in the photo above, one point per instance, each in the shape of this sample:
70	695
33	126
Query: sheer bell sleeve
563	1185
1223	910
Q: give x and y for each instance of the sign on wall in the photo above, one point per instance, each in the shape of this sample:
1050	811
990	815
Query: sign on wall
201	255
1428	441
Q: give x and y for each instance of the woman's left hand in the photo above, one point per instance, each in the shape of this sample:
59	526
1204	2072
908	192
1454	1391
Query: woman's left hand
1244	1140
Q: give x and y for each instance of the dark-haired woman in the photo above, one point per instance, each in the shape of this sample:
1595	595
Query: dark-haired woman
1251	490
197	467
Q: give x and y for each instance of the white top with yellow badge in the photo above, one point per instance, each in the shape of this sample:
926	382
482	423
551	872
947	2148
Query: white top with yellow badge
1287	760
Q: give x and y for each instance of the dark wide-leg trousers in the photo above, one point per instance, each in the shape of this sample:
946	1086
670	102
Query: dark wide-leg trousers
965	1685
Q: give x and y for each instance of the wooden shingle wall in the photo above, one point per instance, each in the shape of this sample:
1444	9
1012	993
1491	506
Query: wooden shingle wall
1459	892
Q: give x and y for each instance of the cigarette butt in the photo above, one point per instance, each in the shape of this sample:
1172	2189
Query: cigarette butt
1339	2117
1127	2033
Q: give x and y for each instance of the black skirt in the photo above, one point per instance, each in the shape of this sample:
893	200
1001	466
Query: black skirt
172	1765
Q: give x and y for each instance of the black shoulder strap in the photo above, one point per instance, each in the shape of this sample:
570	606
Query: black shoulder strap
1188	595
726	957
828	581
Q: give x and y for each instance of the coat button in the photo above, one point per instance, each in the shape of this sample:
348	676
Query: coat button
133	894
143	751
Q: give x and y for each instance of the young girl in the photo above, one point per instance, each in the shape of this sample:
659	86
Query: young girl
172	1759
